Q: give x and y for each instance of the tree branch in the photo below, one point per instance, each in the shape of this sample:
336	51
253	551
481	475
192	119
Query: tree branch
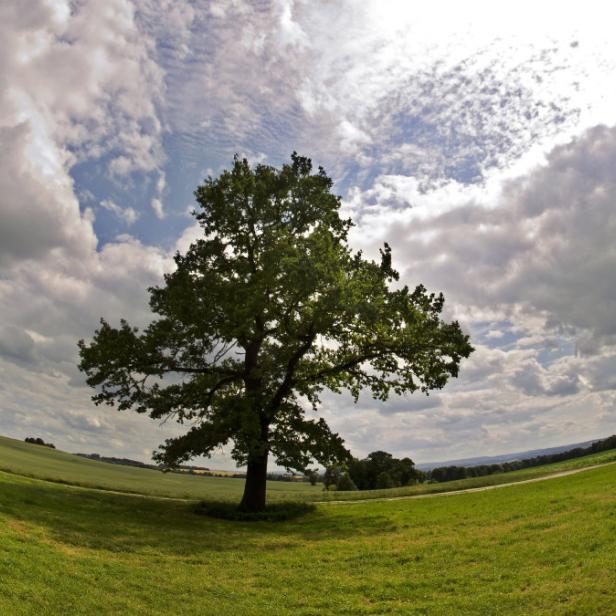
285	387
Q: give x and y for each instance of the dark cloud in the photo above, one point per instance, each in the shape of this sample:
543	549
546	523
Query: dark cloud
16	345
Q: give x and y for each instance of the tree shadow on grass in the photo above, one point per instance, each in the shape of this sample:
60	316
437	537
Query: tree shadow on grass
122	523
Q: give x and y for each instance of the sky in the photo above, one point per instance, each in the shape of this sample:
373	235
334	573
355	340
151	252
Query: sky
477	139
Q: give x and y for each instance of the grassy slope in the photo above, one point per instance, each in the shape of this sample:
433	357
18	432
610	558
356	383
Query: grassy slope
546	548
44	463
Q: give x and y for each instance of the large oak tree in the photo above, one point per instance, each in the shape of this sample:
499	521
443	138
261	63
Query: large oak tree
266	311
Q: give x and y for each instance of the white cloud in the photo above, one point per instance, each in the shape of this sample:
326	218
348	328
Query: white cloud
439	120
127	214
535	257
544	244
85	77
494	334
157	206
77	83
39	209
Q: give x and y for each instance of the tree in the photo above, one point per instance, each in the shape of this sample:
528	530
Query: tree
403	472
312	475
332	475
265	311
365	473
345	484
384	481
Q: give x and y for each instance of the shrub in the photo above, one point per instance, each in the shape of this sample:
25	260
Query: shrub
332	476
345	483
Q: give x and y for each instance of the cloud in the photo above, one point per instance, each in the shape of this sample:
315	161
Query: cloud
531	265
543	246
127	214
16	344
418	93
157	206
437	127
39	209
78	84
85	76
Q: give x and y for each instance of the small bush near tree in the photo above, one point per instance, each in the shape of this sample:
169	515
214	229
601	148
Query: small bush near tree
276	512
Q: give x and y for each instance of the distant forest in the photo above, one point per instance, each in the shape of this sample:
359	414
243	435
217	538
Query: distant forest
451	473
381	470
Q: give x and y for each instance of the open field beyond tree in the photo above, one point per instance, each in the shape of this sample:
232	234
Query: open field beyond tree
53	465
58	466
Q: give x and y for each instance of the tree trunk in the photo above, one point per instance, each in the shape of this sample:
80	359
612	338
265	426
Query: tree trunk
254	488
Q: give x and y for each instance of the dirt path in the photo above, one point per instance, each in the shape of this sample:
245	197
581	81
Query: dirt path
467	490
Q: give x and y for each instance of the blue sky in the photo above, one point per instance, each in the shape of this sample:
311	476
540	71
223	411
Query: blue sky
479	142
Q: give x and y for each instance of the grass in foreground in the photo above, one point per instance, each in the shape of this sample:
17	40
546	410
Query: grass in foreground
58	466
546	548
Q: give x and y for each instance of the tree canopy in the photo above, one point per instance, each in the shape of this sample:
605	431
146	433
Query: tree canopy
380	464
261	315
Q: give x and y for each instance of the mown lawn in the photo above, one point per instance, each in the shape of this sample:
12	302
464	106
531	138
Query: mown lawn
545	548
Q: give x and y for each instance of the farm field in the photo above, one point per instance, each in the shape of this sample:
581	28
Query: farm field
45	463
545	548
58	466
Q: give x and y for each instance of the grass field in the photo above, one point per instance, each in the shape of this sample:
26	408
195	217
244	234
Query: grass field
545	548
44	463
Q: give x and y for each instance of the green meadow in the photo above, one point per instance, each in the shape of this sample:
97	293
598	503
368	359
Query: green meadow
539	548
536	548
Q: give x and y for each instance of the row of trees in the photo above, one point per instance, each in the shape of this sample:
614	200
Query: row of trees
451	473
381	470
38	441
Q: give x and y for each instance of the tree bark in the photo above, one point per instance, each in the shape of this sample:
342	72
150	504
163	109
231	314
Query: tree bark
254	488
256	473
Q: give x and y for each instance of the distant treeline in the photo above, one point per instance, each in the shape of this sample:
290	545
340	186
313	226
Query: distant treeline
200	471
112	460
38	441
381	470
451	473
129	462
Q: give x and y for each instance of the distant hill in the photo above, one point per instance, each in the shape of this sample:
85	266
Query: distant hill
32	460
507	457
